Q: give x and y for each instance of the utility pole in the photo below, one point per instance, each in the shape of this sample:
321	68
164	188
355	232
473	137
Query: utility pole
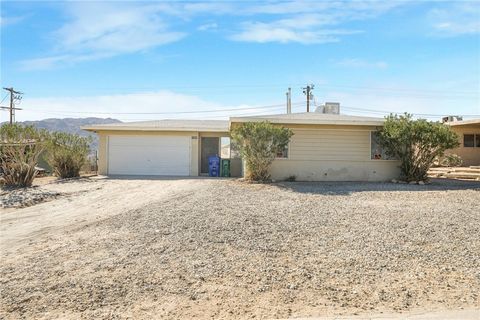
308	92
289	100
14	96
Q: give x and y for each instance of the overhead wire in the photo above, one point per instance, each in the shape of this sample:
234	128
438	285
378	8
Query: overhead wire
166	113
4	98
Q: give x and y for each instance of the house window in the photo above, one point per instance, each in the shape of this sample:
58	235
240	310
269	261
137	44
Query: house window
225	147
283	153
468	140
477	140
376	150
234	150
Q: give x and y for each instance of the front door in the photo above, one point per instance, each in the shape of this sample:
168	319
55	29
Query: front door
210	147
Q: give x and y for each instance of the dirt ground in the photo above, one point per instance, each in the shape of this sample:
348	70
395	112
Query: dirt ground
211	248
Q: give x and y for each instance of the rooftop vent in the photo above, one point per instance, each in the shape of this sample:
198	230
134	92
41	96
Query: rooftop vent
329	108
451	119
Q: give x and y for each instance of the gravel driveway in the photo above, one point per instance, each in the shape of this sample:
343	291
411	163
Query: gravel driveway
226	249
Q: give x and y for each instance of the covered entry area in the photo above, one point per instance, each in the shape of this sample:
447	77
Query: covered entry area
210	146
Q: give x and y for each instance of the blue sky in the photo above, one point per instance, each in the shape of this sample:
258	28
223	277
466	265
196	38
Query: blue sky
160	59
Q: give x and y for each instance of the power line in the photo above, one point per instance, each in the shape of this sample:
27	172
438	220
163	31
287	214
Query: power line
4	98
14	97
165	113
150	119
377	111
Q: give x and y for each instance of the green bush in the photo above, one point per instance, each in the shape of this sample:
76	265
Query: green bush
416	143
20	148
259	142
451	160
67	153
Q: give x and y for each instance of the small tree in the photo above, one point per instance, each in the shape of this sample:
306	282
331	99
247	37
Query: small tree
259	142
416	143
20	148
67	153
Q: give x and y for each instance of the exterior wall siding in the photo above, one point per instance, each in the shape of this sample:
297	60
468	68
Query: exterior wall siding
470	156
333	154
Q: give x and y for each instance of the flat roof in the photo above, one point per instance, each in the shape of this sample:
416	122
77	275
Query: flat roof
463	122
164	125
223	125
313	118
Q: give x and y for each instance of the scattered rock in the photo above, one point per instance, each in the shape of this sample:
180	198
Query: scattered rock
25	197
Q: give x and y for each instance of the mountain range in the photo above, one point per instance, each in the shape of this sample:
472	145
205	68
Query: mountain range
72	125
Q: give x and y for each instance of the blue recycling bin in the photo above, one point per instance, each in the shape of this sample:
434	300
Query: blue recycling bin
214	166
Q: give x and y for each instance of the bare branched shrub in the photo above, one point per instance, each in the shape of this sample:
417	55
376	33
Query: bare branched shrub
67	153
20	148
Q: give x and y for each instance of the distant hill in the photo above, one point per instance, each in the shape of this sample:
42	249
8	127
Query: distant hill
72	125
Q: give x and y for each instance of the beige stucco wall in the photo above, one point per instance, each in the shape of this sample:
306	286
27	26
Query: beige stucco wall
332	153
470	156
316	153
195	145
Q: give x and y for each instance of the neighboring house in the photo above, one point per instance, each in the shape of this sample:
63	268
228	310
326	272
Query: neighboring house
324	147
469	137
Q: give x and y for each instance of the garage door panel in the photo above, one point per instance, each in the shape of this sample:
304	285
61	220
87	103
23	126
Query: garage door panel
149	155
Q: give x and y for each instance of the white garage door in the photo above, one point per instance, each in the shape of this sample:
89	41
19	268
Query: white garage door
149	155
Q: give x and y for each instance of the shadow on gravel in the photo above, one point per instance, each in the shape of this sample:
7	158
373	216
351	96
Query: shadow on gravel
346	188
73	180
171	178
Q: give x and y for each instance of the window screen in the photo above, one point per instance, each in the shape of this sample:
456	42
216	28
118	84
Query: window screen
468	140
377	152
283	153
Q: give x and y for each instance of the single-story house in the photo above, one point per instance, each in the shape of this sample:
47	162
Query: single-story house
324	147
469	137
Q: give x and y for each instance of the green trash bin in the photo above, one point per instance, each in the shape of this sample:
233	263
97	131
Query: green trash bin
225	167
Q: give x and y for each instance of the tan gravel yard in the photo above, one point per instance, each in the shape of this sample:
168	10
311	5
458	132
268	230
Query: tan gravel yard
221	248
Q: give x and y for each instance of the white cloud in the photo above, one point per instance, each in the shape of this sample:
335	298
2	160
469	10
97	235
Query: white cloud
6	21
278	32
308	22
66	59
460	18
360	63
208	26
100	30
97	30
146	106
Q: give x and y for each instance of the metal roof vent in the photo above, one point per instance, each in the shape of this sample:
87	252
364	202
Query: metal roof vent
329	108
451	119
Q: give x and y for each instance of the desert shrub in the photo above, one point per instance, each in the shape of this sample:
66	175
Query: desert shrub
259	142
451	160
416	143
67	153
20	148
